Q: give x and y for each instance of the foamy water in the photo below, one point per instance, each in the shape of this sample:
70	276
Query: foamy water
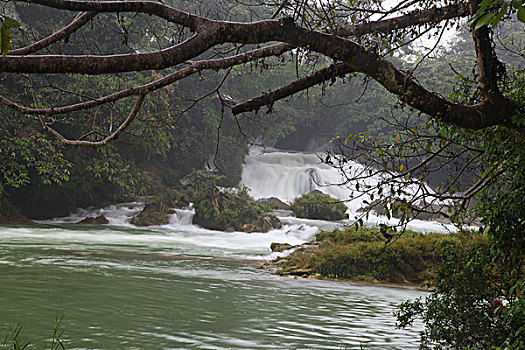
284	175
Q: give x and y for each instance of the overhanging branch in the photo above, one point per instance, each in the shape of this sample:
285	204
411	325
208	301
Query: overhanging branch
211	33
193	68
434	15
267	99
131	116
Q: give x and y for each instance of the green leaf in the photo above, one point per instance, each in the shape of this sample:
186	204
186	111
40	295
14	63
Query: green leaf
521	14
5	40
5	37
484	20
11	23
498	17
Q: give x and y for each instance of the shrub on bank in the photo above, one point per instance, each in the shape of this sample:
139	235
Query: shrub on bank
232	210
319	206
9	214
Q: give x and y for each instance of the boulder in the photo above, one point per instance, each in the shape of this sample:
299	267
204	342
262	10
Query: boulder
316	192
319	206
224	209
159	209
179	203
210	223
151	217
279	247
99	220
274	203
263	224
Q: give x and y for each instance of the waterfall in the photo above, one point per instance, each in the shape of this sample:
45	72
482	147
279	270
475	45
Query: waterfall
182	217
117	214
286	176
273	173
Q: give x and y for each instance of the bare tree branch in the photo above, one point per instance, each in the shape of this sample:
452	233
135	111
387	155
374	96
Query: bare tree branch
193	68
148	7
434	15
210	33
112	136
77	23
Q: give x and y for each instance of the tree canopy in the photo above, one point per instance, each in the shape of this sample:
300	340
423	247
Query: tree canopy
349	36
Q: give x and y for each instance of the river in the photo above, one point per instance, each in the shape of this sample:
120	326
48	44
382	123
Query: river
179	286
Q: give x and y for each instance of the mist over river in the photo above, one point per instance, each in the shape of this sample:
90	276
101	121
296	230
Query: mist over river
179	286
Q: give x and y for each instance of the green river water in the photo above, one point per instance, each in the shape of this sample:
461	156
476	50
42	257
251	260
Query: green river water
181	287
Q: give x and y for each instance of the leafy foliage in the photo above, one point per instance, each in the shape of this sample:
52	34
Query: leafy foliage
14	340
462	311
319	206
231	209
459	313
362	255
31	154
5	37
493	11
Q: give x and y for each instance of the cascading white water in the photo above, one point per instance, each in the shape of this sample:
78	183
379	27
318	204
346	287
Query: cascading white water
117	214
180	235
274	173
202	277
182	217
171	266
285	175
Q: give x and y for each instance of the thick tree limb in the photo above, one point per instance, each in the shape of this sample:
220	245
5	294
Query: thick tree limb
188	49
193	68
148	7
86	64
434	15
194	22
489	67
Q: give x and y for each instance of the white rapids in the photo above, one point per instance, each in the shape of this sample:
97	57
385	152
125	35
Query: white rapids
279	174
179	235
284	175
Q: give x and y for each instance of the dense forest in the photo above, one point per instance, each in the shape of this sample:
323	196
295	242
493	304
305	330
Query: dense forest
176	134
169	140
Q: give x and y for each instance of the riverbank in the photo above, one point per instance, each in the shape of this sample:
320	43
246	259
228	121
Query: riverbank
9	214
363	256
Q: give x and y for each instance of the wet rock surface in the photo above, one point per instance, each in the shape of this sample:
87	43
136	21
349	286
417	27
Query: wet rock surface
99	220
